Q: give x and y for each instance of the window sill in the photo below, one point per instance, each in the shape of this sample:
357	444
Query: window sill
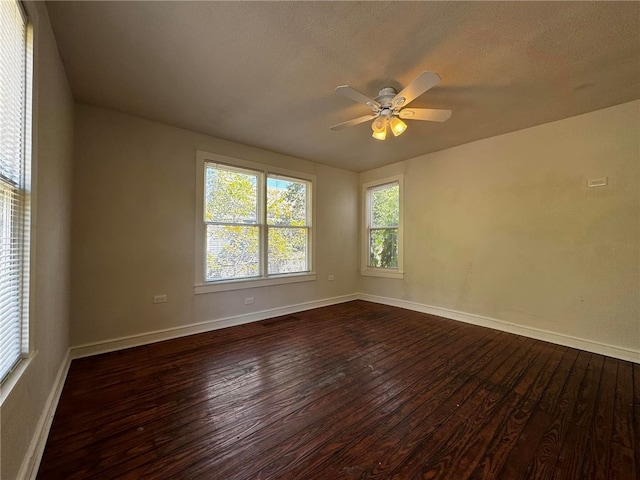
254	283
380	272
14	376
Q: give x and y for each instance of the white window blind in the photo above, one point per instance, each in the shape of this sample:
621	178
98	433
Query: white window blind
15	120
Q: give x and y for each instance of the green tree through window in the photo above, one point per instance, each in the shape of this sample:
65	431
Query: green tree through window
383	204
246	235
287	225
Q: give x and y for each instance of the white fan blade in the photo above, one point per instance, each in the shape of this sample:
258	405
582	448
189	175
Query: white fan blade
356	96
421	84
353	122
429	114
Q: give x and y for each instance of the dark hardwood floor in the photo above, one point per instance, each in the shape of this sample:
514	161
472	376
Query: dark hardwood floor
351	391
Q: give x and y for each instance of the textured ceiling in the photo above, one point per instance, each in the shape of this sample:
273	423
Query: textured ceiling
264	73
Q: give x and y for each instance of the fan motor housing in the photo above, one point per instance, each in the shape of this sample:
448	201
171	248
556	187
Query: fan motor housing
385	96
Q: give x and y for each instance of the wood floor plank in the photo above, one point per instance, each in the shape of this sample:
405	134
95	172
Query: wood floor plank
622	460
496	452
467	416
190	403
545	458
596	461
435	463
329	399
393	385
200	417
351	391
570	460
424	417
400	413
462	459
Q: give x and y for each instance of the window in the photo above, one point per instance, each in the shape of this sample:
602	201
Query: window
232	223
15	138
382	236
256	226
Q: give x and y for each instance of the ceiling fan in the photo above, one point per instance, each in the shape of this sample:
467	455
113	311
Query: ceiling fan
389	107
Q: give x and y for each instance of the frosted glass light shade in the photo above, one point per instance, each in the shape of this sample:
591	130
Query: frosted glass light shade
380	135
379	124
397	126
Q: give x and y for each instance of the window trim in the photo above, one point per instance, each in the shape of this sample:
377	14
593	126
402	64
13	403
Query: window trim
200	286
365	269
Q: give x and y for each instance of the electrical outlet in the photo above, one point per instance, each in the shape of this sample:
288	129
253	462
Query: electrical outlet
160	298
331	278
248	301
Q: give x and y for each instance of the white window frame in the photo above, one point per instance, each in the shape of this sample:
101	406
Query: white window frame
27	214
201	286
365	268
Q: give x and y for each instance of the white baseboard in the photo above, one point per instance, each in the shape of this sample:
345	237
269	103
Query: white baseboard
31	462
538	334
111	345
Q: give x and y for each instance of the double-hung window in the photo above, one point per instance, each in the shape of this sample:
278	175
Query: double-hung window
287	225
382	235
232	220
15	140
256	225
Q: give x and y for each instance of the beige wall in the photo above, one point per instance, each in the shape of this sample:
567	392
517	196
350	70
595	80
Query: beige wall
134	222
506	228
53	124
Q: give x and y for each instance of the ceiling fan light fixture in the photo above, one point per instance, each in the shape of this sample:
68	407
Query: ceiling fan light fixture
388	107
379	125
380	135
397	126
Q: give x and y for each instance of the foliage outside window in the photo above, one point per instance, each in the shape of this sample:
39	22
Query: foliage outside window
384	217
257	224
382	242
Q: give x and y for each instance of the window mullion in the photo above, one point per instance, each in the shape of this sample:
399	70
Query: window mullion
264	228
369	210
293	226
231	224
